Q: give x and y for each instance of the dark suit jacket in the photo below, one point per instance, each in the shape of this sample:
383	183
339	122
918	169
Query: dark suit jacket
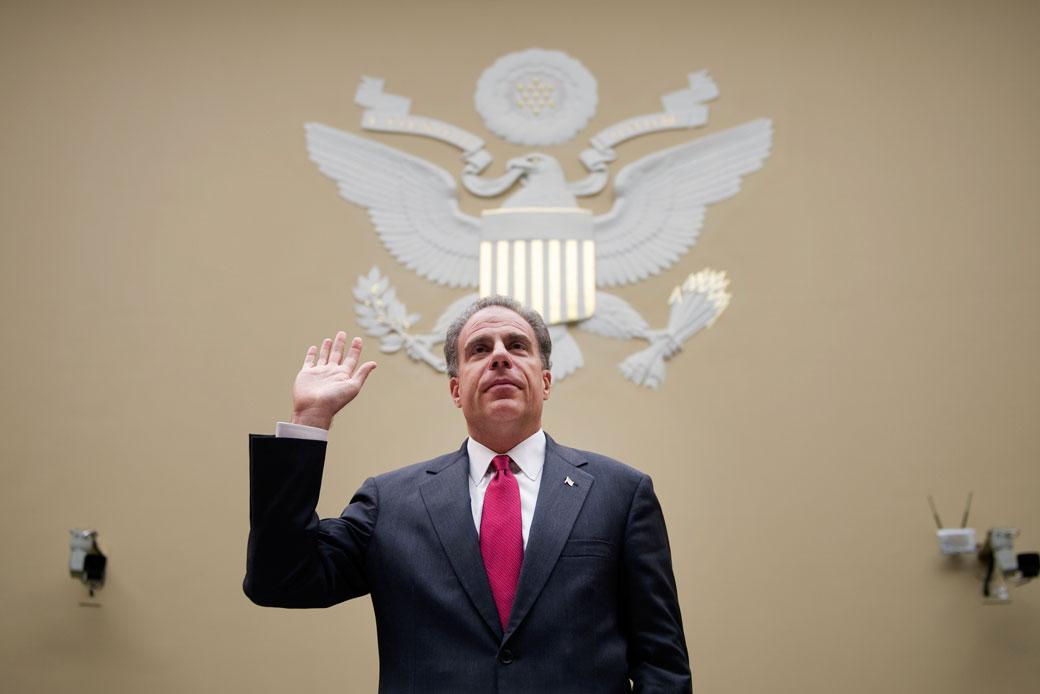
595	606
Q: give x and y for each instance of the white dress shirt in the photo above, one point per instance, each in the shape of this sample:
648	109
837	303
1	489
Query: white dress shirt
529	456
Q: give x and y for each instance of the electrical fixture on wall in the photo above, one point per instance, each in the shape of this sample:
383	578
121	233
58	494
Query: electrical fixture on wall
86	562
1002	566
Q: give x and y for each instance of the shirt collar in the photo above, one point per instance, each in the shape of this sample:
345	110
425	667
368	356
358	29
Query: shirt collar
529	456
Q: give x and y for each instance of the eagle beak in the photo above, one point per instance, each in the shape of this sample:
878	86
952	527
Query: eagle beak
519	163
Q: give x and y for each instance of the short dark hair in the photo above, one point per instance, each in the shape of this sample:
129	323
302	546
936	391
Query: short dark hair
533	318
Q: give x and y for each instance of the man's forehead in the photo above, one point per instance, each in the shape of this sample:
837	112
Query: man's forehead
495	318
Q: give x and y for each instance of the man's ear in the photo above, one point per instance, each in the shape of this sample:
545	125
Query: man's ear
546	383
453	387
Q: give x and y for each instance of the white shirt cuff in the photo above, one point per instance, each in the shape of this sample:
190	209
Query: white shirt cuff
286	430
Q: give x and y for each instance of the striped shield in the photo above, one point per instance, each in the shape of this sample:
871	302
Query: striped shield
544	257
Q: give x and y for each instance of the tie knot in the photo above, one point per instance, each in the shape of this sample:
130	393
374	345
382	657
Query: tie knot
501	462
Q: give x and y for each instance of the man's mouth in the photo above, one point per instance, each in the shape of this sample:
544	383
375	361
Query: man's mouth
499	382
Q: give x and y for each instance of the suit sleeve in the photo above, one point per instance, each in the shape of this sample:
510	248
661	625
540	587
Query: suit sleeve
293	559
657	656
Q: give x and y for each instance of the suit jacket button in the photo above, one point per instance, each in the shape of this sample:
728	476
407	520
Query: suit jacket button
505	657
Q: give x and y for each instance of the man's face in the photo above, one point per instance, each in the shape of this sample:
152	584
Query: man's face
501	382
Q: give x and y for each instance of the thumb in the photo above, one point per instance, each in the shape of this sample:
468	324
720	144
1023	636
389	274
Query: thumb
363	371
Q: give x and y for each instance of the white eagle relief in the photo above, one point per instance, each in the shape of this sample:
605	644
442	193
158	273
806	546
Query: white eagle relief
659	205
413	203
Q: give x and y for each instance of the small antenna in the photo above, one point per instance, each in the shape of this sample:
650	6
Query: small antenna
935	514
967	508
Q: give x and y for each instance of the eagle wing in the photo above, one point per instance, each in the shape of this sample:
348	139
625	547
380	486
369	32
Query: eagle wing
661	199
413	203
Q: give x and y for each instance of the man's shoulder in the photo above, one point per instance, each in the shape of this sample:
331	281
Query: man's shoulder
595	463
422	469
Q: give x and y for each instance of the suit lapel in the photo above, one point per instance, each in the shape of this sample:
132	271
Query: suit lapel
447	502
554	515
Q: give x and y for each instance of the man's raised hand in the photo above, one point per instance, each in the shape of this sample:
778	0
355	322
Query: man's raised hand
328	381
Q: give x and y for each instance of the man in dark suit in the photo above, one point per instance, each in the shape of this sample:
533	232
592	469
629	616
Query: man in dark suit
552	574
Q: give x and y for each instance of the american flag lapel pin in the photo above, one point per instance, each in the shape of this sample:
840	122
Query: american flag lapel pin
568	481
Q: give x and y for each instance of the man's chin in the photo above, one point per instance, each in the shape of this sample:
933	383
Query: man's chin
504	410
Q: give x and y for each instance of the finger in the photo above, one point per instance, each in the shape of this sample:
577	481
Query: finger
363	371
353	354
323	354
312	354
336	356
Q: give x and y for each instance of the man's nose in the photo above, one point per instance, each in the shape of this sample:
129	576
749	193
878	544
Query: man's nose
500	357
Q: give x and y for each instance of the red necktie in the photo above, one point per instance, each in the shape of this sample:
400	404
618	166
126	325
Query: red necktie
501	536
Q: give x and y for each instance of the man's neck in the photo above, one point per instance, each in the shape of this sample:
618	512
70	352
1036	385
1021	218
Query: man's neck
503	440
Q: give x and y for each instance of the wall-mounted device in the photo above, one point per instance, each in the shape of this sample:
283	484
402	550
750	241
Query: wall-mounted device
955	540
998	554
86	562
1002	565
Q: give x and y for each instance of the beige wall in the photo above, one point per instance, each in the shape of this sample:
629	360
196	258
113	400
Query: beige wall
168	252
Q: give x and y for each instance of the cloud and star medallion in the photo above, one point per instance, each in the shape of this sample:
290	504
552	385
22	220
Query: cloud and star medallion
536	97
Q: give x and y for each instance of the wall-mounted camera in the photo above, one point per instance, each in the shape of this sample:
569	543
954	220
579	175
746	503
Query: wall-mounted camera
998	554
86	562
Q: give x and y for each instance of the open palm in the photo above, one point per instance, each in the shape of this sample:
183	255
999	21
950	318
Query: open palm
329	379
